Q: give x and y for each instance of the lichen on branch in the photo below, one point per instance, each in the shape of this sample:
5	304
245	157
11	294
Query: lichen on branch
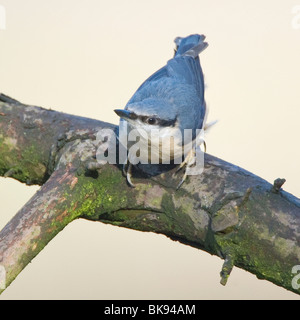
226	211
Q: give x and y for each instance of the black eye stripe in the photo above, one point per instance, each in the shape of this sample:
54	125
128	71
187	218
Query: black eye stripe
167	123
133	116
144	118
160	122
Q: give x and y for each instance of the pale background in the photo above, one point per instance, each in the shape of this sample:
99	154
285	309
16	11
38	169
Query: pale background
87	58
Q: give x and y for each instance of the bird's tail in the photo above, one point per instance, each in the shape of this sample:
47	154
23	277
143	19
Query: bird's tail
190	46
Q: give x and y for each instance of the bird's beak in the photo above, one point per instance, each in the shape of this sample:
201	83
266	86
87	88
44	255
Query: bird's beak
125	114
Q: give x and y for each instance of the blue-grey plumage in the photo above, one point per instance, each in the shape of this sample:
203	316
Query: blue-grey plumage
177	89
172	99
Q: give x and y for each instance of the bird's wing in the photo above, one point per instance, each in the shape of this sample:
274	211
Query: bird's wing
188	69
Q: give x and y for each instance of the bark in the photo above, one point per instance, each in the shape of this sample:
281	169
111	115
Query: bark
226	211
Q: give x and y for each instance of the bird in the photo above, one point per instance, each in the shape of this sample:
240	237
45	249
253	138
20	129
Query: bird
165	106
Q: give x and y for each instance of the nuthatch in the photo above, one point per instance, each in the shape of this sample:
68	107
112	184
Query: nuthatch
167	103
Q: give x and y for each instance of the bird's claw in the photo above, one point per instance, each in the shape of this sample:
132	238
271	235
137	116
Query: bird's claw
127	171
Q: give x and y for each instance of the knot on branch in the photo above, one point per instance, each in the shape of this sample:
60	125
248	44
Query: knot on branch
278	183
226	217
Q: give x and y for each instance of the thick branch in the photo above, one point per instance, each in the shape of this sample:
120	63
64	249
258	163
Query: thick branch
36	223
31	137
226	210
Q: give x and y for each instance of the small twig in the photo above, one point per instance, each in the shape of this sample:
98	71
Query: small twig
226	269
278	183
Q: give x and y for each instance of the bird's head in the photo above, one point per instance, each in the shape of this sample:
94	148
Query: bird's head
148	115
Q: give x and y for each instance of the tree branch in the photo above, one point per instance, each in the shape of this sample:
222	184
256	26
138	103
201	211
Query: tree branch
36	223
226	211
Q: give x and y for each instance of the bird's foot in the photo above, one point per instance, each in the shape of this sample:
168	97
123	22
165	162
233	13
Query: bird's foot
188	162
127	171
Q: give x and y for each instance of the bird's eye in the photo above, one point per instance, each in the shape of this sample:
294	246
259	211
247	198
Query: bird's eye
151	121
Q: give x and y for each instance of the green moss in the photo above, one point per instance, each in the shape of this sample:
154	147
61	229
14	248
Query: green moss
92	197
177	219
258	247
24	166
